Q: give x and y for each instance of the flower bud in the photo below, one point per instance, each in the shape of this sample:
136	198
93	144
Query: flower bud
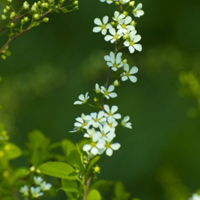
7	7
22	21
125	36
75	2
46	19
96	169
133	23
4	10
125	13
26	19
112	23
12	15
26	5
32	169
39	3
12	25
62	1
36	16
117	3
116	83
3	17
9	1
132	3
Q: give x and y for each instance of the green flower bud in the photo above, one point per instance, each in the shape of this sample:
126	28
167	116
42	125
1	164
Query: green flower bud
26	5
3	17
75	2
75	8
12	25
113	23
22	21
116	83
7	7
4	11
117	3
62	1
125	13
12	15
132	3
3	57
26	19
9	1
126	36
45	5
39	3
133	23
36	16
46	19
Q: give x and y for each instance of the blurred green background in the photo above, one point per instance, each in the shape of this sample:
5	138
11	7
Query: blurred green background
55	62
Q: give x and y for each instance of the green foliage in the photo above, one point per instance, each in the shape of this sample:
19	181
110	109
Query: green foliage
94	195
59	170
119	192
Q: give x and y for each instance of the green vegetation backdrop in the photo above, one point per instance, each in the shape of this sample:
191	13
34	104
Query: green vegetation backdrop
52	64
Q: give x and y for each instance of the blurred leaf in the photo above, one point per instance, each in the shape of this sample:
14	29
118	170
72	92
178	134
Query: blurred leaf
20	173
59	170
101	185
94	195
11	150
119	192
73	155
69	186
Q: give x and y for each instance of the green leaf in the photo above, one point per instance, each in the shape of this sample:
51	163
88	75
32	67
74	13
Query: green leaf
69	186
120	192
63	9
73	155
91	164
35	24
94	195
20	173
59	170
102	185
11	151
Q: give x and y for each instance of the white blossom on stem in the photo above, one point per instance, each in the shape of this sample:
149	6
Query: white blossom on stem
102	26
125	122
128	73
83	99
118	16
138	12
24	190
112	112
113	37
131	43
108	93
113	61
36	192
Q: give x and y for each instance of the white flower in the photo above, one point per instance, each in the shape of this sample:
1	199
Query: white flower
38	180
124	1
106	134
97	119
36	192
45	186
24	190
83	99
118	16
124	25
97	88
125	122
111	112
111	124
101	25
82	122
138	10
110	147
113	61
96	146
108	92
128	74
90	133
194	197
113	37
131	43
108	1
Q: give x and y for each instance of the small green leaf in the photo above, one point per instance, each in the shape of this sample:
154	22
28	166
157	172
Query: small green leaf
59	170
94	195
102	185
64	10
91	164
12	151
20	173
35	24
69	186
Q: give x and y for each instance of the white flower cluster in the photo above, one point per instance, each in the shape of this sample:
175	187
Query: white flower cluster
36	191
195	197
121	27
100	128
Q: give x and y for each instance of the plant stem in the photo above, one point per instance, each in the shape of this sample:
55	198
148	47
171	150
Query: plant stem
88	185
